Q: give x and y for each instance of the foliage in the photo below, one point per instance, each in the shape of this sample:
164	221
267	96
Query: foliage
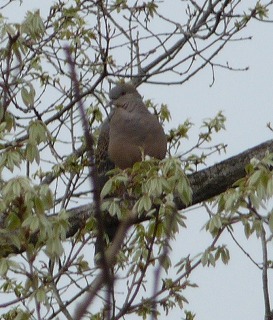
44	167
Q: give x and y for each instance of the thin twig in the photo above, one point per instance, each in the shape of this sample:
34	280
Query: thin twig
106	274
242	249
268	314
164	255
110	256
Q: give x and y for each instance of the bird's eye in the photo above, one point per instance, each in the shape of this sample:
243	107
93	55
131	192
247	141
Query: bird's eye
123	93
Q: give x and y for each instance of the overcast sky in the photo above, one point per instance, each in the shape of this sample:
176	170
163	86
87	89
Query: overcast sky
233	291
246	98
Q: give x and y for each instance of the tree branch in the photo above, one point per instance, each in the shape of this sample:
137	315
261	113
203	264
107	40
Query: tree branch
216	179
205	184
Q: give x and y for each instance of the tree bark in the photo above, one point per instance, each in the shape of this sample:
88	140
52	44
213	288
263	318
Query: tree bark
212	181
205	184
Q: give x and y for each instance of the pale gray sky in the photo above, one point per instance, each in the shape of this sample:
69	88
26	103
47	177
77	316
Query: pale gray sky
233	291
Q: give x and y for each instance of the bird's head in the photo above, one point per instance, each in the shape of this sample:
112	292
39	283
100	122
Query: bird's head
122	92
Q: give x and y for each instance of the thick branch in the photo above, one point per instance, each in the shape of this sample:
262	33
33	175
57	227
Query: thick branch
216	179
205	184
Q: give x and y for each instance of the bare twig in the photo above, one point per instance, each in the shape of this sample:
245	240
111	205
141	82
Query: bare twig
106	274
268	312
110	257
242	249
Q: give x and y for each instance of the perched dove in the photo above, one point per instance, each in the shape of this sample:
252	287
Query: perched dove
129	132
133	130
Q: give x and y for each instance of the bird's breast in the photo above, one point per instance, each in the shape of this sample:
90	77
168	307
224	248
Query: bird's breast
131	133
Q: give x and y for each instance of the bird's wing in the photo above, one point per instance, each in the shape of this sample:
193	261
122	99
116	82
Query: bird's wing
102	160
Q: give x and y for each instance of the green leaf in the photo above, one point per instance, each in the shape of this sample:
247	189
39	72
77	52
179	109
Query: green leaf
28	96
54	248
13	221
41	295
254	178
166	263
270	221
114	209
31	222
4	266
32	153
144	204
15	188
107	188
47	198
39	205
37	132
204	258
33	25
11	158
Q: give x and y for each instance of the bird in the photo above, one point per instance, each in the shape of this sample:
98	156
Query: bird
128	133
133	130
